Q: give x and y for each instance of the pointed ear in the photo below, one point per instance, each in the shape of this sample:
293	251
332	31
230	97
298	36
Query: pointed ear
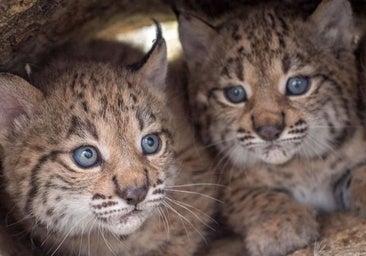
153	67
332	24
196	37
17	97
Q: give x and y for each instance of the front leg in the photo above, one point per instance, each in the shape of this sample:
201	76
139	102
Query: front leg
355	188
271	222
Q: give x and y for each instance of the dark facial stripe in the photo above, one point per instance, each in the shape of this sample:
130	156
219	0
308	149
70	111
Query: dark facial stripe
65	166
34	182
145	117
91	129
239	69
286	62
85	106
147	177
134	98
117	187
211	94
63	179
74	123
78	127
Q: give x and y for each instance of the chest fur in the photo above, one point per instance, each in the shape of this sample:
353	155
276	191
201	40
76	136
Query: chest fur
317	182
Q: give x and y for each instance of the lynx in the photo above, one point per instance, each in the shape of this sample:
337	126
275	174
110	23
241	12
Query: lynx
275	96
96	163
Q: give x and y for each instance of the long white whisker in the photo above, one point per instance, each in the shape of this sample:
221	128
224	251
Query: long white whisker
195	184
90	229
166	204
81	240
190	211
165	222
218	142
26	217
194	208
184	218
63	240
195	193
105	241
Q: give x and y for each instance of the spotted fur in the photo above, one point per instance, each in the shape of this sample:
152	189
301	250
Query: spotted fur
290	157
130	203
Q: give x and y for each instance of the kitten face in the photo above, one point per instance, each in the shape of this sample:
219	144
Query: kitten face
95	154
266	88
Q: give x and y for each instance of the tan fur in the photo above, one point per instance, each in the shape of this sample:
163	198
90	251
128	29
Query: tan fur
287	157
111	108
341	234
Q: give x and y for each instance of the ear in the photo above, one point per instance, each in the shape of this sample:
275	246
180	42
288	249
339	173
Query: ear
17	97
332	23
196	37
153	67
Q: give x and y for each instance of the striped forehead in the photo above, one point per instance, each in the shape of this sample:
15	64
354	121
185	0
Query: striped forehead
108	89
113	101
260	44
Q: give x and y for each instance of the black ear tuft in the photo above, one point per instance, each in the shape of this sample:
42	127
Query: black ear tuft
159	37
152	69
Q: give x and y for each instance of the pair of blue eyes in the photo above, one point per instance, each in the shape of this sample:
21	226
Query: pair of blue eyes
295	86
88	156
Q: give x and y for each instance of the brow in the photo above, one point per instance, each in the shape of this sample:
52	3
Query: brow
145	117
80	127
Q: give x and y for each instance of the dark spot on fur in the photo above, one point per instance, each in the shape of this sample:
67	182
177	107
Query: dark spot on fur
98	196
50	211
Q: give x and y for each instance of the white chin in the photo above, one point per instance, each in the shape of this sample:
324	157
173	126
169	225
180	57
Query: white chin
276	156
128	225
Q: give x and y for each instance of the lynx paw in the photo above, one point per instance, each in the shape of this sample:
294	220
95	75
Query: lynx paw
282	234
357	192
358	199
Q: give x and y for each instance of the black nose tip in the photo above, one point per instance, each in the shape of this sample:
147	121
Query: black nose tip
134	195
269	132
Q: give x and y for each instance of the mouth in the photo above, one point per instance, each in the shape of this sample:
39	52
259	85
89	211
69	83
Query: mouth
127	223
273	147
275	154
133	213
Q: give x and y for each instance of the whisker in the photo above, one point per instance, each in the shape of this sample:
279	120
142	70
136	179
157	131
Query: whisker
26	217
105	241
165	221
63	240
90	229
196	184
184	218
190	211
218	142
195	193
81	240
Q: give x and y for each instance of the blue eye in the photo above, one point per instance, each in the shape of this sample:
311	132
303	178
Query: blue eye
297	86
86	156
236	94
150	144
